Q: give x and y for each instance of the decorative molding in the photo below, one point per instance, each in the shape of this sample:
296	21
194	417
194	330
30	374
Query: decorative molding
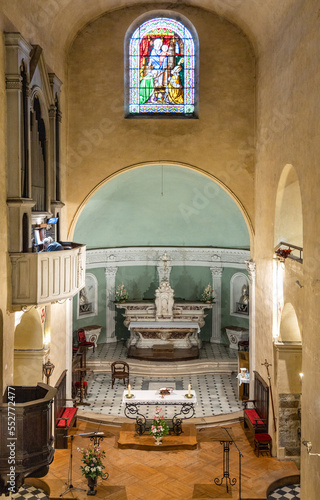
13	82
251	268
135	256
216	272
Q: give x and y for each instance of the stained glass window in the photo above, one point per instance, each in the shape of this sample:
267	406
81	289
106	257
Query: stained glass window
162	68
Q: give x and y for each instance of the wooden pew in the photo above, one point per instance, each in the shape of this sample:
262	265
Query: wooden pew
65	417
256	417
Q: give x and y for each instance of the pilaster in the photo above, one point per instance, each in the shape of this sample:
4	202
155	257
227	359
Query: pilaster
251	268
110	307
216	273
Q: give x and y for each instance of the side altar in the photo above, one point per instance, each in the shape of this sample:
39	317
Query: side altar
164	329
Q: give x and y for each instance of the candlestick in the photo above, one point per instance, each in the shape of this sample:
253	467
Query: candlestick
189	390
129	390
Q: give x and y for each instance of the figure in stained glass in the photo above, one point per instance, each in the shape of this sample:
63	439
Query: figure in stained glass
175	87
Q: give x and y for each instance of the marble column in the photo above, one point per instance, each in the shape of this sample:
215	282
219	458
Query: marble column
251	268
216	273
110	307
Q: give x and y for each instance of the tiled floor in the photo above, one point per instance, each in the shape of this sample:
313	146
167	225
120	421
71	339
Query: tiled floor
216	394
286	493
27	492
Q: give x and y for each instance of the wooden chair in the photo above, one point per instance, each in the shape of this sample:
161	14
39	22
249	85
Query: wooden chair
120	370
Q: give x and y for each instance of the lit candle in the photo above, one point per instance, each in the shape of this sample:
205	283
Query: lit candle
189	390
129	390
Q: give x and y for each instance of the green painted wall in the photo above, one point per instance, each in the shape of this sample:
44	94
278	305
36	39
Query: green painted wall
161	205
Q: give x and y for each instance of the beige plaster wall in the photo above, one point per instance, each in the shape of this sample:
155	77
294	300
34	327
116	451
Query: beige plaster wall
58	333
288	132
6	321
101	141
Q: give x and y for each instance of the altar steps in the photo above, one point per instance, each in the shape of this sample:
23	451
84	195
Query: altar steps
144	368
201	422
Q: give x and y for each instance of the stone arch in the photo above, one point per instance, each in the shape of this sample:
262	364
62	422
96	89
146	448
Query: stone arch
29	352
211	177
288	226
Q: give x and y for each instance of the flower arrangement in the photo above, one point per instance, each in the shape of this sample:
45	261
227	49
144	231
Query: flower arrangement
92	459
121	294
283	252
207	294
159	426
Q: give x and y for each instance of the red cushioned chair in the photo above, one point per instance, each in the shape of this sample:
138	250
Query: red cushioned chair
78	388
82	342
262	442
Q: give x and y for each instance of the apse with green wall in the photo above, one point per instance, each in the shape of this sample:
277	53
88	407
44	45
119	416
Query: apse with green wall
161	205
100	317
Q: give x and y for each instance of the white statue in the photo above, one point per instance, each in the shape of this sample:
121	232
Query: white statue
164	301
244	299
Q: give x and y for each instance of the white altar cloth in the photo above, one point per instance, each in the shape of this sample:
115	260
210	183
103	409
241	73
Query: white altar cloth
153	397
164	324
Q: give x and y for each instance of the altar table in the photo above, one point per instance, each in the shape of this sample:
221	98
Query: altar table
152	397
181	334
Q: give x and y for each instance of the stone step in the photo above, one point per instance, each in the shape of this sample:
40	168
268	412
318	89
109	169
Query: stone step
165	369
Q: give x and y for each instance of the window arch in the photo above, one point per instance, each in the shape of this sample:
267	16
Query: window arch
162	67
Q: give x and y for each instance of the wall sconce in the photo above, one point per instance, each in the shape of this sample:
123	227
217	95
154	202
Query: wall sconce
308	445
47	369
301	377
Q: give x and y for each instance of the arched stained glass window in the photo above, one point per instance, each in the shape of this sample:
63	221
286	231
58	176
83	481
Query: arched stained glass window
162	69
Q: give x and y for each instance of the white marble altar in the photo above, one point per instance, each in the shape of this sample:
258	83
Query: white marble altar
147	334
163	322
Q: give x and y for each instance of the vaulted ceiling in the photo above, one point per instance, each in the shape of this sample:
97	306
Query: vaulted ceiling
53	24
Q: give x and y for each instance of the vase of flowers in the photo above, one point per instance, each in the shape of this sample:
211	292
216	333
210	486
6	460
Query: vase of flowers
283	252
92	467
207	294
159	427
121	294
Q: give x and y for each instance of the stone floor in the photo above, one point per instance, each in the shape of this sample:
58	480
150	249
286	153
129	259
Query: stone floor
217	394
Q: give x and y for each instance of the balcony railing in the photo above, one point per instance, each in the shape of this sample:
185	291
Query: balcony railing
40	278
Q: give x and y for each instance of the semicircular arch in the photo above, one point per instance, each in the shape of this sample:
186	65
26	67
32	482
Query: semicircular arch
191	195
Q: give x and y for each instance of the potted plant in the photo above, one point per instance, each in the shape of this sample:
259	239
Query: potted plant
159	427
92	467
121	294
207	294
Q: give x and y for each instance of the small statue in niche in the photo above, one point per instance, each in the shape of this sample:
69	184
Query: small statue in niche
244	299
243	304
83	299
